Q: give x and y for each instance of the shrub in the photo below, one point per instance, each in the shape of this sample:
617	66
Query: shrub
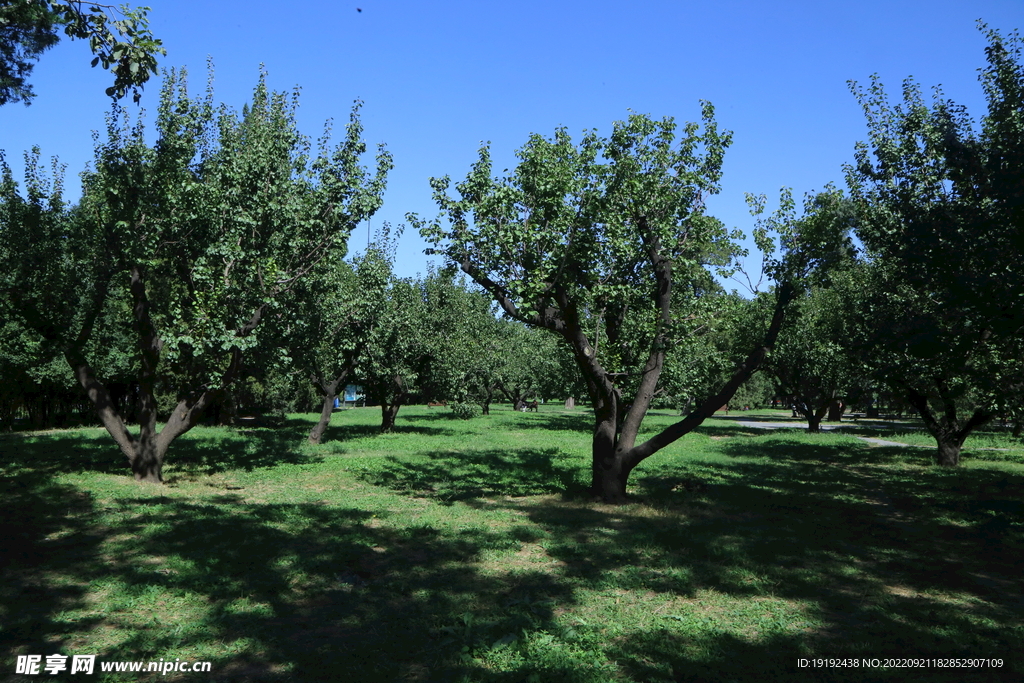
464	411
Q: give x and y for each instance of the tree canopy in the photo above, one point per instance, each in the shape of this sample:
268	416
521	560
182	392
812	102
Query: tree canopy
201	233
942	220
118	37
591	242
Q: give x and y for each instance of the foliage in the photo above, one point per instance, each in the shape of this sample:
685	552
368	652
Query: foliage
389	369
721	328
198	237
587	242
27	29
816	362
942	219
457	335
49	264
120	39
755	393
464	411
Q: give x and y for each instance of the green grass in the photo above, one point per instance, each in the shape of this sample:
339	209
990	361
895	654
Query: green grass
468	551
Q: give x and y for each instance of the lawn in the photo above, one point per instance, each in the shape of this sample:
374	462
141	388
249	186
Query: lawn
468	551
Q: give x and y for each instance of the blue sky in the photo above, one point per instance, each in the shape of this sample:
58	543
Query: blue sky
438	78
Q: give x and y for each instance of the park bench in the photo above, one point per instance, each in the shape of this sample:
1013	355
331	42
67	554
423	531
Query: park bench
437	404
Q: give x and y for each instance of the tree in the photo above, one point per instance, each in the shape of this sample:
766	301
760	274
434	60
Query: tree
392	362
942	219
202	233
30	27
331	316
815	364
523	358
457	338
593	240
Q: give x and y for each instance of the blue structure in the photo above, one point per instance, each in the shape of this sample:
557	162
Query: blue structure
351	394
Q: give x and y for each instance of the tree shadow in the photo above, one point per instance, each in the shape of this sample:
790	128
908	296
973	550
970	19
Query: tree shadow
448	476
248	450
46	533
895	562
582	421
729	430
52	453
345	432
884	572
293	592
666	655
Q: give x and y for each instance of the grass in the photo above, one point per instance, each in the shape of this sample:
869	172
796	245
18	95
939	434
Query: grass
468	551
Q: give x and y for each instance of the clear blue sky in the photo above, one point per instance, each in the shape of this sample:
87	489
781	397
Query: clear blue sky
437	78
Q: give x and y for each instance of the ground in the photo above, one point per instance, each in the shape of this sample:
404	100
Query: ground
459	550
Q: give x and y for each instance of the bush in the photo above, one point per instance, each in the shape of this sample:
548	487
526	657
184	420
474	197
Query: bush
464	411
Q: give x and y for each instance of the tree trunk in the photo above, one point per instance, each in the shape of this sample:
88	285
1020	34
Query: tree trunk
615	459
610	475
326	411
486	396
814	417
949	434
329	390
835	411
570	403
609	468
1017	427
145	454
948	454
388	413
148	461
389	406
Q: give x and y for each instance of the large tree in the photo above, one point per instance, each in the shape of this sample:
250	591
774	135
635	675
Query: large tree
942	219
118	37
201	233
594	240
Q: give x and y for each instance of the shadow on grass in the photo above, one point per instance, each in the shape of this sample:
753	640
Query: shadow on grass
46	531
580	421
859	552
900	561
344	432
197	452
52	453
245	449
448	476
296	592
728	428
